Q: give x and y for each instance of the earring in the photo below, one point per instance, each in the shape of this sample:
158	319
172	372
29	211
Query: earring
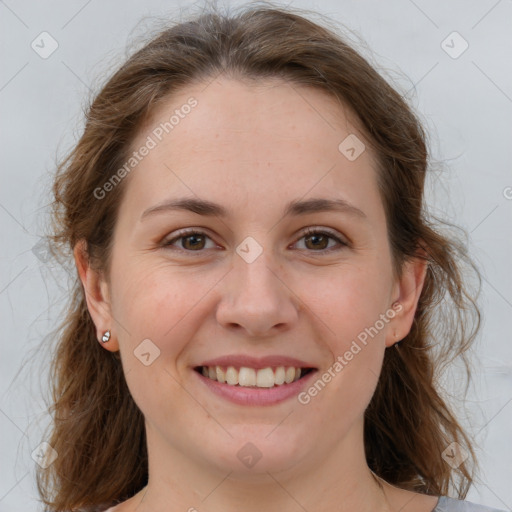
105	337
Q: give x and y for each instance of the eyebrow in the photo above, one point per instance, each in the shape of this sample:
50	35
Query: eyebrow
293	208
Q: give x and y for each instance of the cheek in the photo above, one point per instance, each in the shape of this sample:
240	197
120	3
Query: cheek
158	312
347	300
352	306
160	302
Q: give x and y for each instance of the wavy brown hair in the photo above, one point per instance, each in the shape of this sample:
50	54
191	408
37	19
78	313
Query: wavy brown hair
97	429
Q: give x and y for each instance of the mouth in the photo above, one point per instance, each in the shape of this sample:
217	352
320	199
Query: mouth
247	377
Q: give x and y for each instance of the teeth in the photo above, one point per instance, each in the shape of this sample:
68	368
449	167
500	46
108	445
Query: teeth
265	378
247	377
289	375
250	377
231	376
280	375
219	374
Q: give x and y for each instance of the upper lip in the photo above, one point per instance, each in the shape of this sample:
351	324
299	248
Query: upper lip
238	361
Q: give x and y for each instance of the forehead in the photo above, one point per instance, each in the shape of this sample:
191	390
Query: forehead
226	107
250	144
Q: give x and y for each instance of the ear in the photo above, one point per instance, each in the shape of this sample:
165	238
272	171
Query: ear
97	296
407	292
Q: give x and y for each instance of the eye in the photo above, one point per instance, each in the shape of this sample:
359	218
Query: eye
194	240
318	240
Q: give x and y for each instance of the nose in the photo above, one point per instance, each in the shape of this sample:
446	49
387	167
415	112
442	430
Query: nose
257	299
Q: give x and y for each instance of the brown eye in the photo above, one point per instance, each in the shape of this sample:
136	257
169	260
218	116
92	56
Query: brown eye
314	240
191	241
318	241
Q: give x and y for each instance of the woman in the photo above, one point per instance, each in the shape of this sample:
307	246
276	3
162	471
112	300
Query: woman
256	322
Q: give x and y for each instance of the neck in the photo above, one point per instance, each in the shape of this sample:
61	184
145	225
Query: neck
339	480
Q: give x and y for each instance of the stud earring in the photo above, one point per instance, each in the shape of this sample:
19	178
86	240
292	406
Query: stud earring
105	337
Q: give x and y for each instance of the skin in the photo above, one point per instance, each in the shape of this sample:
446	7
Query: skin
253	147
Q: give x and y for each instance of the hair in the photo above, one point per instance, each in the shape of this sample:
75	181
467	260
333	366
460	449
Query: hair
97	429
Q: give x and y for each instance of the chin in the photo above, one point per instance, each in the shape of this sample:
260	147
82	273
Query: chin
265	450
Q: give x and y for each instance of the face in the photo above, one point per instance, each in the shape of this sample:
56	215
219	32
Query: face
262	271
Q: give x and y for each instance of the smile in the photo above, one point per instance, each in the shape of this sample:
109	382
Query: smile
251	377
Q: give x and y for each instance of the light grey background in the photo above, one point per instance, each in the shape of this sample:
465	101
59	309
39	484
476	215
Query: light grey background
465	102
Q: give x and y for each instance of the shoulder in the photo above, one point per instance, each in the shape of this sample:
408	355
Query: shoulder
446	504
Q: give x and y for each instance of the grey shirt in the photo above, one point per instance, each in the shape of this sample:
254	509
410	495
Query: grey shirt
446	504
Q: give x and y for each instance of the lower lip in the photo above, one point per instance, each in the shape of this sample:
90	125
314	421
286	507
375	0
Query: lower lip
256	396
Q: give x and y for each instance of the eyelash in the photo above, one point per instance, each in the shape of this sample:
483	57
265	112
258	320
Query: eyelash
307	232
